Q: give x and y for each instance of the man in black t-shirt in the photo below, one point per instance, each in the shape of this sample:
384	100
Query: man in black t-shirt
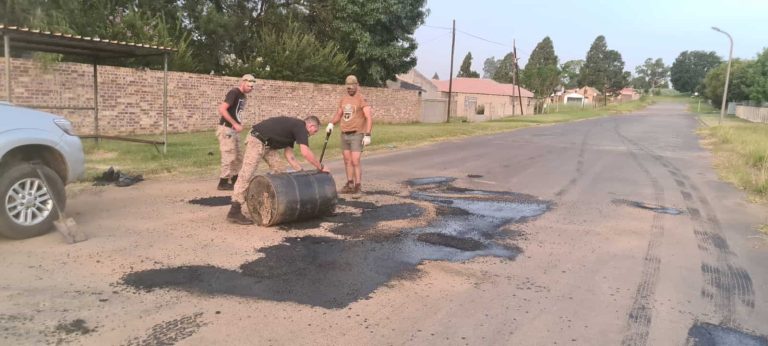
264	141
230	124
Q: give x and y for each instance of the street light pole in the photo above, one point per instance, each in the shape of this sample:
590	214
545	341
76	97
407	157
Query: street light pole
727	74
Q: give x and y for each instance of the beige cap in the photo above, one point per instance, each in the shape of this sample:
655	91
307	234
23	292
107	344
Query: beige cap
351	79
248	78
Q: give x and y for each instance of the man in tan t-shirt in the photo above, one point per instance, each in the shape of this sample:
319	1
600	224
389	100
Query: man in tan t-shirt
354	113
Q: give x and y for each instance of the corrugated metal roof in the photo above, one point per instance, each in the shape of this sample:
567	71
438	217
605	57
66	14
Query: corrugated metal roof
45	41
481	86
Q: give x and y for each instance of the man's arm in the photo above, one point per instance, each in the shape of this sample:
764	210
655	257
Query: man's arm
336	118
368	113
223	112
310	157
288	152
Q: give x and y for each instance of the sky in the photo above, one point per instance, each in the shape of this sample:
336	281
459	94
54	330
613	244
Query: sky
636	29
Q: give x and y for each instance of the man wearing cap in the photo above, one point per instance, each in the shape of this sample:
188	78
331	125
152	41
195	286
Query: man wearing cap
230	125
354	113
264	141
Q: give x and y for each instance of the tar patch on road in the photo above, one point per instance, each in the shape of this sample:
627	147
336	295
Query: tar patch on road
74	327
213	201
333	273
652	207
706	334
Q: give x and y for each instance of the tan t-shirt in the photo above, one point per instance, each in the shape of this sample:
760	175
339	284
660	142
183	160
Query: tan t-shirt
352	116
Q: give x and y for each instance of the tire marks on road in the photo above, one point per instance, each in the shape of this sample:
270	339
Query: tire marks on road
725	284
579	166
641	312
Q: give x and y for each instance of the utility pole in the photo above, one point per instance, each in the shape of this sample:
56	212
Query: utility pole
514	81
727	75
450	76
517	74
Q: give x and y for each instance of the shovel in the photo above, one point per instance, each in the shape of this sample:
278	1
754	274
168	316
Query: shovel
327	135
65	225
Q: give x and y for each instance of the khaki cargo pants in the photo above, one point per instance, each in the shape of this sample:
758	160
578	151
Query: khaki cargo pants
229	146
255	151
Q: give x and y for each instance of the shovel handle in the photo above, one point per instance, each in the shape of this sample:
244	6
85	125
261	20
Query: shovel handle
327	135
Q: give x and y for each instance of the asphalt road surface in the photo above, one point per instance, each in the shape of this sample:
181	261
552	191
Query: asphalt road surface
599	232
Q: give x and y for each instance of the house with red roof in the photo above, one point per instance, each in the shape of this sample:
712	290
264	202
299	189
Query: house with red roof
628	94
495	99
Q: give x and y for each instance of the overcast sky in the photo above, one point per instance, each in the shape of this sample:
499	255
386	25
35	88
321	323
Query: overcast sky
637	29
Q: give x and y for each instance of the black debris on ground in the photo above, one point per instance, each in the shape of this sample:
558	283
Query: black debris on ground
463	244
112	176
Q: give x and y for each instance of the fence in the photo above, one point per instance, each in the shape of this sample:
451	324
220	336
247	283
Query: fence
130	99
753	114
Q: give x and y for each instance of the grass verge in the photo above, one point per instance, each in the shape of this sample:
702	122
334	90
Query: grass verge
740	148
197	153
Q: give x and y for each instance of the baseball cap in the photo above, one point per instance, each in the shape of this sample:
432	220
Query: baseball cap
248	78
351	79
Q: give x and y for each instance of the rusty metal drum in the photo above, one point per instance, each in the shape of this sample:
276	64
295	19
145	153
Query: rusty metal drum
286	197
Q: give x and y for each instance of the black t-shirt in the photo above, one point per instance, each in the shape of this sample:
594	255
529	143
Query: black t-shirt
282	132
236	101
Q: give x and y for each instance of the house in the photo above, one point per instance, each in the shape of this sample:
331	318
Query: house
413	79
589	94
628	94
497	99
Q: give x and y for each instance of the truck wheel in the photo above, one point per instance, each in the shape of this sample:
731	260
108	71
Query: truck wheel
27	207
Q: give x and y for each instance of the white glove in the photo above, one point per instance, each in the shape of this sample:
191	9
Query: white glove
329	128
366	140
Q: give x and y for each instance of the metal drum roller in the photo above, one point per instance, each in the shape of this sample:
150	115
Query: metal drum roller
278	198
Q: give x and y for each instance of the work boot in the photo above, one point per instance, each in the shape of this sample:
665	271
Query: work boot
349	188
235	215
224	185
357	190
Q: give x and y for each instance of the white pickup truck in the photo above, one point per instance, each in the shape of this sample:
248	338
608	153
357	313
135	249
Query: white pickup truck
30	142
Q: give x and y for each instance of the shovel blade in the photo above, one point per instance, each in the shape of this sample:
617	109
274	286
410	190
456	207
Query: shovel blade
68	228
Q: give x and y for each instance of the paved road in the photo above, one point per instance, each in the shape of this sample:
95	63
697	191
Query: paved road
629	239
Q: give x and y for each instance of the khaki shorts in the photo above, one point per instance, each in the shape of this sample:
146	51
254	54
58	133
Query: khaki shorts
352	142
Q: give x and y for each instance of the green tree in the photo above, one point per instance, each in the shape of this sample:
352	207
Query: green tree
758	78
503	73
714	82
570	73
296	55
654	73
541	74
603	68
690	68
466	68
490	66
376	35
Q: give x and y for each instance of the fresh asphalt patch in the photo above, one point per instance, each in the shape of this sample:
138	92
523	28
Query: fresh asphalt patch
213	201
706	334
647	206
333	272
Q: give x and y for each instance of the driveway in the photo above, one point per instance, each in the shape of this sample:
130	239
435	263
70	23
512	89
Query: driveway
605	231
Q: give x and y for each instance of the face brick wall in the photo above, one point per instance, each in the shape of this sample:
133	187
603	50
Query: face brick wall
131	100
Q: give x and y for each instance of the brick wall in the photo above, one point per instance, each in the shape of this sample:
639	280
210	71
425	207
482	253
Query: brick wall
131	100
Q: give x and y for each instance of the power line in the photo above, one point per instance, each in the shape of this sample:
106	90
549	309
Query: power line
437	27
483	39
435	38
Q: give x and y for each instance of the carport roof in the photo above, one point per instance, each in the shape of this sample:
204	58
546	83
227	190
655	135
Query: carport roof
44	41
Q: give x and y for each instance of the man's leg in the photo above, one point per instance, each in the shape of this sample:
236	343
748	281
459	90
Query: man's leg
356	152
350	185
253	152
237	163
228	150
274	161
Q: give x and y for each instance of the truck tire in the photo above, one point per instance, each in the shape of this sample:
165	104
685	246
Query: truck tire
27	208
